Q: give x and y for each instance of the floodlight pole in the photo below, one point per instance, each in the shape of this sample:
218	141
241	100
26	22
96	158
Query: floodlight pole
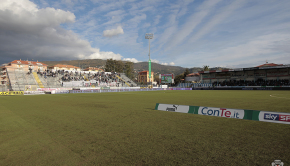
149	36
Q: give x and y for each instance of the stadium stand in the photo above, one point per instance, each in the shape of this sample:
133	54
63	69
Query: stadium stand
127	80
18	79
21	74
259	82
49	80
263	75
61	78
193	85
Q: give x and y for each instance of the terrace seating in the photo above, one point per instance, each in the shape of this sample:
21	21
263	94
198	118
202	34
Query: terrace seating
101	79
128	80
18	79
50	81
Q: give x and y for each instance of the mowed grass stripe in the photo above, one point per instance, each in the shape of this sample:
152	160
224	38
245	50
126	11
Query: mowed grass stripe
124	128
21	142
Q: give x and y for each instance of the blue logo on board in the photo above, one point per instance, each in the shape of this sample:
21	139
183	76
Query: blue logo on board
268	116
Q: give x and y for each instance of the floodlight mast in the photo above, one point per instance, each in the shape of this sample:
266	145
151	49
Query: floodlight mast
149	36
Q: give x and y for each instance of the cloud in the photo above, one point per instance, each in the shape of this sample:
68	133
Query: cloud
131	60
101	55
24	16
162	63
29	32
113	32
249	53
262	48
157	20
155	60
136	20
192	22
171	63
225	12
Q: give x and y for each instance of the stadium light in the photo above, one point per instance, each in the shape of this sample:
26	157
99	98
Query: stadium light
149	36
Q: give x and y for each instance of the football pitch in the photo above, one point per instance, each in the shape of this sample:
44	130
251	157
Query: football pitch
122	128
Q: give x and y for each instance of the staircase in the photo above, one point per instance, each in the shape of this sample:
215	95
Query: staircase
38	80
86	78
126	79
123	80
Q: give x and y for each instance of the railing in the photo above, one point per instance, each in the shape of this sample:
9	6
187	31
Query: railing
123	80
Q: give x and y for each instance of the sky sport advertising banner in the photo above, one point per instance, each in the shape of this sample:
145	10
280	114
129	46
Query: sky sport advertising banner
264	116
274	117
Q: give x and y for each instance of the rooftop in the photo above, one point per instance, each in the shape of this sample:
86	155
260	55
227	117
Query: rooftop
28	63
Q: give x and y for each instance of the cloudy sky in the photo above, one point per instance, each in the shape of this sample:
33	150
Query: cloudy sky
187	33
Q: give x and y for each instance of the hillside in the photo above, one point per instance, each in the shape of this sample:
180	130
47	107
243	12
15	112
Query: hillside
79	63
162	69
141	66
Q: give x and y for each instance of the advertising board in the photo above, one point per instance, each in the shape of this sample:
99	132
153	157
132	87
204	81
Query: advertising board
264	116
11	93
166	78
173	108
221	112
34	93
274	117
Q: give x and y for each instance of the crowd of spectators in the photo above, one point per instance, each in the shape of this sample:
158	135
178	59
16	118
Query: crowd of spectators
71	76
46	73
259	82
99	77
103	77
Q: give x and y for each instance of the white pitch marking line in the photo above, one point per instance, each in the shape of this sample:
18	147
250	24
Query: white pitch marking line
279	97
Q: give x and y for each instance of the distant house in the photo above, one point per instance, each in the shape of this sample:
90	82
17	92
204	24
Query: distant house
64	67
143	76
94	69
26	66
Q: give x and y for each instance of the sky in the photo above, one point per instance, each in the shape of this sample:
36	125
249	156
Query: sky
187	33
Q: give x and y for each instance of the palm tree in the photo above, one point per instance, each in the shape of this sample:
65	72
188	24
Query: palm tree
205	68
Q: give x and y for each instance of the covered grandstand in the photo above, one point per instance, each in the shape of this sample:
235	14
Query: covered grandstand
263	75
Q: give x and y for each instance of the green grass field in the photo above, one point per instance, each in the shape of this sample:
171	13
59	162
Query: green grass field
124	129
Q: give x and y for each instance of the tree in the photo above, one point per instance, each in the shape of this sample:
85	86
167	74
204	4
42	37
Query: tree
129	70
186	72
156	78
178	78
114	65
205	68
118	66
109	65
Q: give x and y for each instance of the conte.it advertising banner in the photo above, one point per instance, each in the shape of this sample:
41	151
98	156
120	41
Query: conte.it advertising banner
264	116
221	112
